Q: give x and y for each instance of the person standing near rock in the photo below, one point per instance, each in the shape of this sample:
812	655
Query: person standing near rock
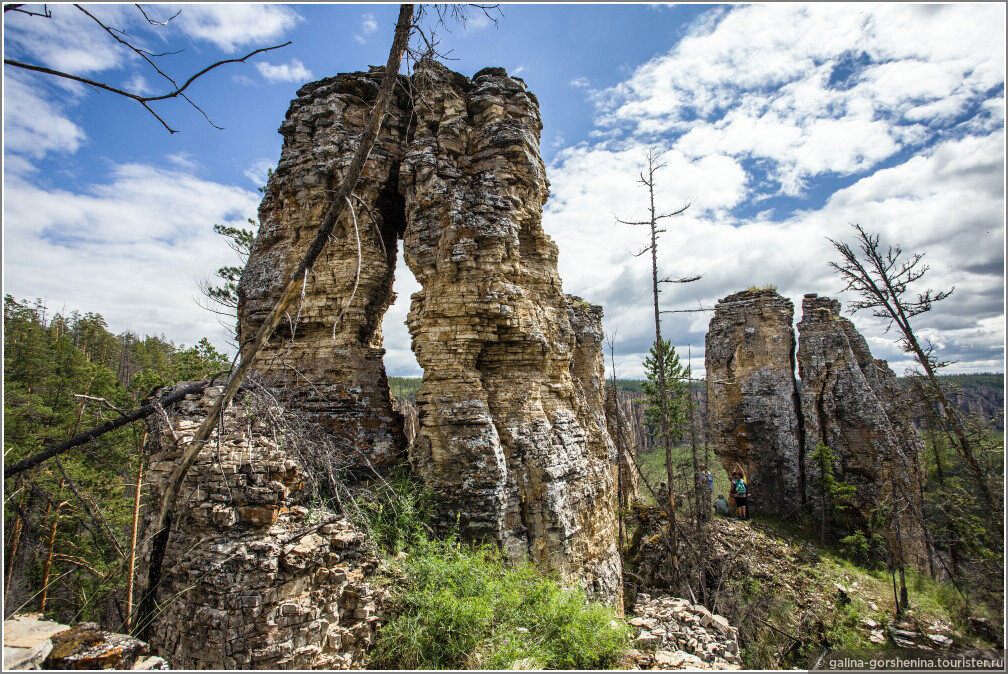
741	491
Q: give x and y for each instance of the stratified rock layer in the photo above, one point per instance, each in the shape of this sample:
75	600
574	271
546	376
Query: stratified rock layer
512	430
752	400
334	372
618	416
253	580
511	426
853	403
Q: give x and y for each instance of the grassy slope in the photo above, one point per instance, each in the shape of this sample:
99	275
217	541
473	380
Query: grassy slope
931	602
460	606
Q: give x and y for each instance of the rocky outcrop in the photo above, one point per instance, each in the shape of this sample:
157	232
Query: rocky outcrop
327	357
511	427
852	402
753	408
256	575
30	642
512	431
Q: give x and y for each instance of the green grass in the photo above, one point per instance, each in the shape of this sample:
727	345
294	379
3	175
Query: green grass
930	600
459	606
652	466
462	607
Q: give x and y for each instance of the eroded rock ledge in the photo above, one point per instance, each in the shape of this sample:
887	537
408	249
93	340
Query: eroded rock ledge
257	574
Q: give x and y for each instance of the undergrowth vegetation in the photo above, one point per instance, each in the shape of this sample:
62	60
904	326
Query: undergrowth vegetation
464	607
456	605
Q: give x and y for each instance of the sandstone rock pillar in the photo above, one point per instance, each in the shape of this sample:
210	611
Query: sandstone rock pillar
334	372
512	434
752	401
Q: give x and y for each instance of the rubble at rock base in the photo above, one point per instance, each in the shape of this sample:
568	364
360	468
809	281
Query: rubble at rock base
667	623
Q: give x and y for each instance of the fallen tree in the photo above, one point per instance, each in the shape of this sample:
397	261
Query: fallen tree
88	436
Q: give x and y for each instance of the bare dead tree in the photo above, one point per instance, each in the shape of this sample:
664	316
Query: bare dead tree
654	163
15	537
178	86
883	280
134	529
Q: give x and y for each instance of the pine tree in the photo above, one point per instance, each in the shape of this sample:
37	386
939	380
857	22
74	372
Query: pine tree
834	494
676	389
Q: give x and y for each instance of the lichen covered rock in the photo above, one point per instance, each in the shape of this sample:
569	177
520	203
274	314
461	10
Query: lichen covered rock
673	633
328	354
753	409
253	577
512	430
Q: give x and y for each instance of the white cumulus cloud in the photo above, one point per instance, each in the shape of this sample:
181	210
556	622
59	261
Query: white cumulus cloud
234	25
133	248
294	71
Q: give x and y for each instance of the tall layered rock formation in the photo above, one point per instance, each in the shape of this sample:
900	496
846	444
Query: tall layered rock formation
512	431
332	368
752	400
760	420
852	403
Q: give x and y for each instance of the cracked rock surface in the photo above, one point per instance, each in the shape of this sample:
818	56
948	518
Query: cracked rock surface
753	408
853	403
511	428
254	578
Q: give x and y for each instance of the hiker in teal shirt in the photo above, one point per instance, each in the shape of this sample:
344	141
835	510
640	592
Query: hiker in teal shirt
741	492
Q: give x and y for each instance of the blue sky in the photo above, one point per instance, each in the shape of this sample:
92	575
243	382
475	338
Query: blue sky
783	125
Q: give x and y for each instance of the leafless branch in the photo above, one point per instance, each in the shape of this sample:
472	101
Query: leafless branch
682	279
687	311
16	7
144	100
157	23
98	399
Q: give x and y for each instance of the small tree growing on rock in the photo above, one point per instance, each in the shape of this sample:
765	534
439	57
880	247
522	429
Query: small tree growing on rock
833	493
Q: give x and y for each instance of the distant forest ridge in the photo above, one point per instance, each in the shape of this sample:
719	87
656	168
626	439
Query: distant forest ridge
408	386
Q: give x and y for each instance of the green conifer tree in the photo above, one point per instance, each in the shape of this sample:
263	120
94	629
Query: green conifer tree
676	387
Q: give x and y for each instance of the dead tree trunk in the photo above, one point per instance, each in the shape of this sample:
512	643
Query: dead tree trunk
882	279
87	436
133	537
51	545
15	539
654	164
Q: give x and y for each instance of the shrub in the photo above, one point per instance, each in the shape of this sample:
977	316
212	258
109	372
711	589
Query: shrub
462	607
855	546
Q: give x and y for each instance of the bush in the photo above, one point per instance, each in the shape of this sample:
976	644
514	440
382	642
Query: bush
461	607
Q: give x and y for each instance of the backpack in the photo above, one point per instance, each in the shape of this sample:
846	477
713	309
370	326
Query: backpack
740	488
